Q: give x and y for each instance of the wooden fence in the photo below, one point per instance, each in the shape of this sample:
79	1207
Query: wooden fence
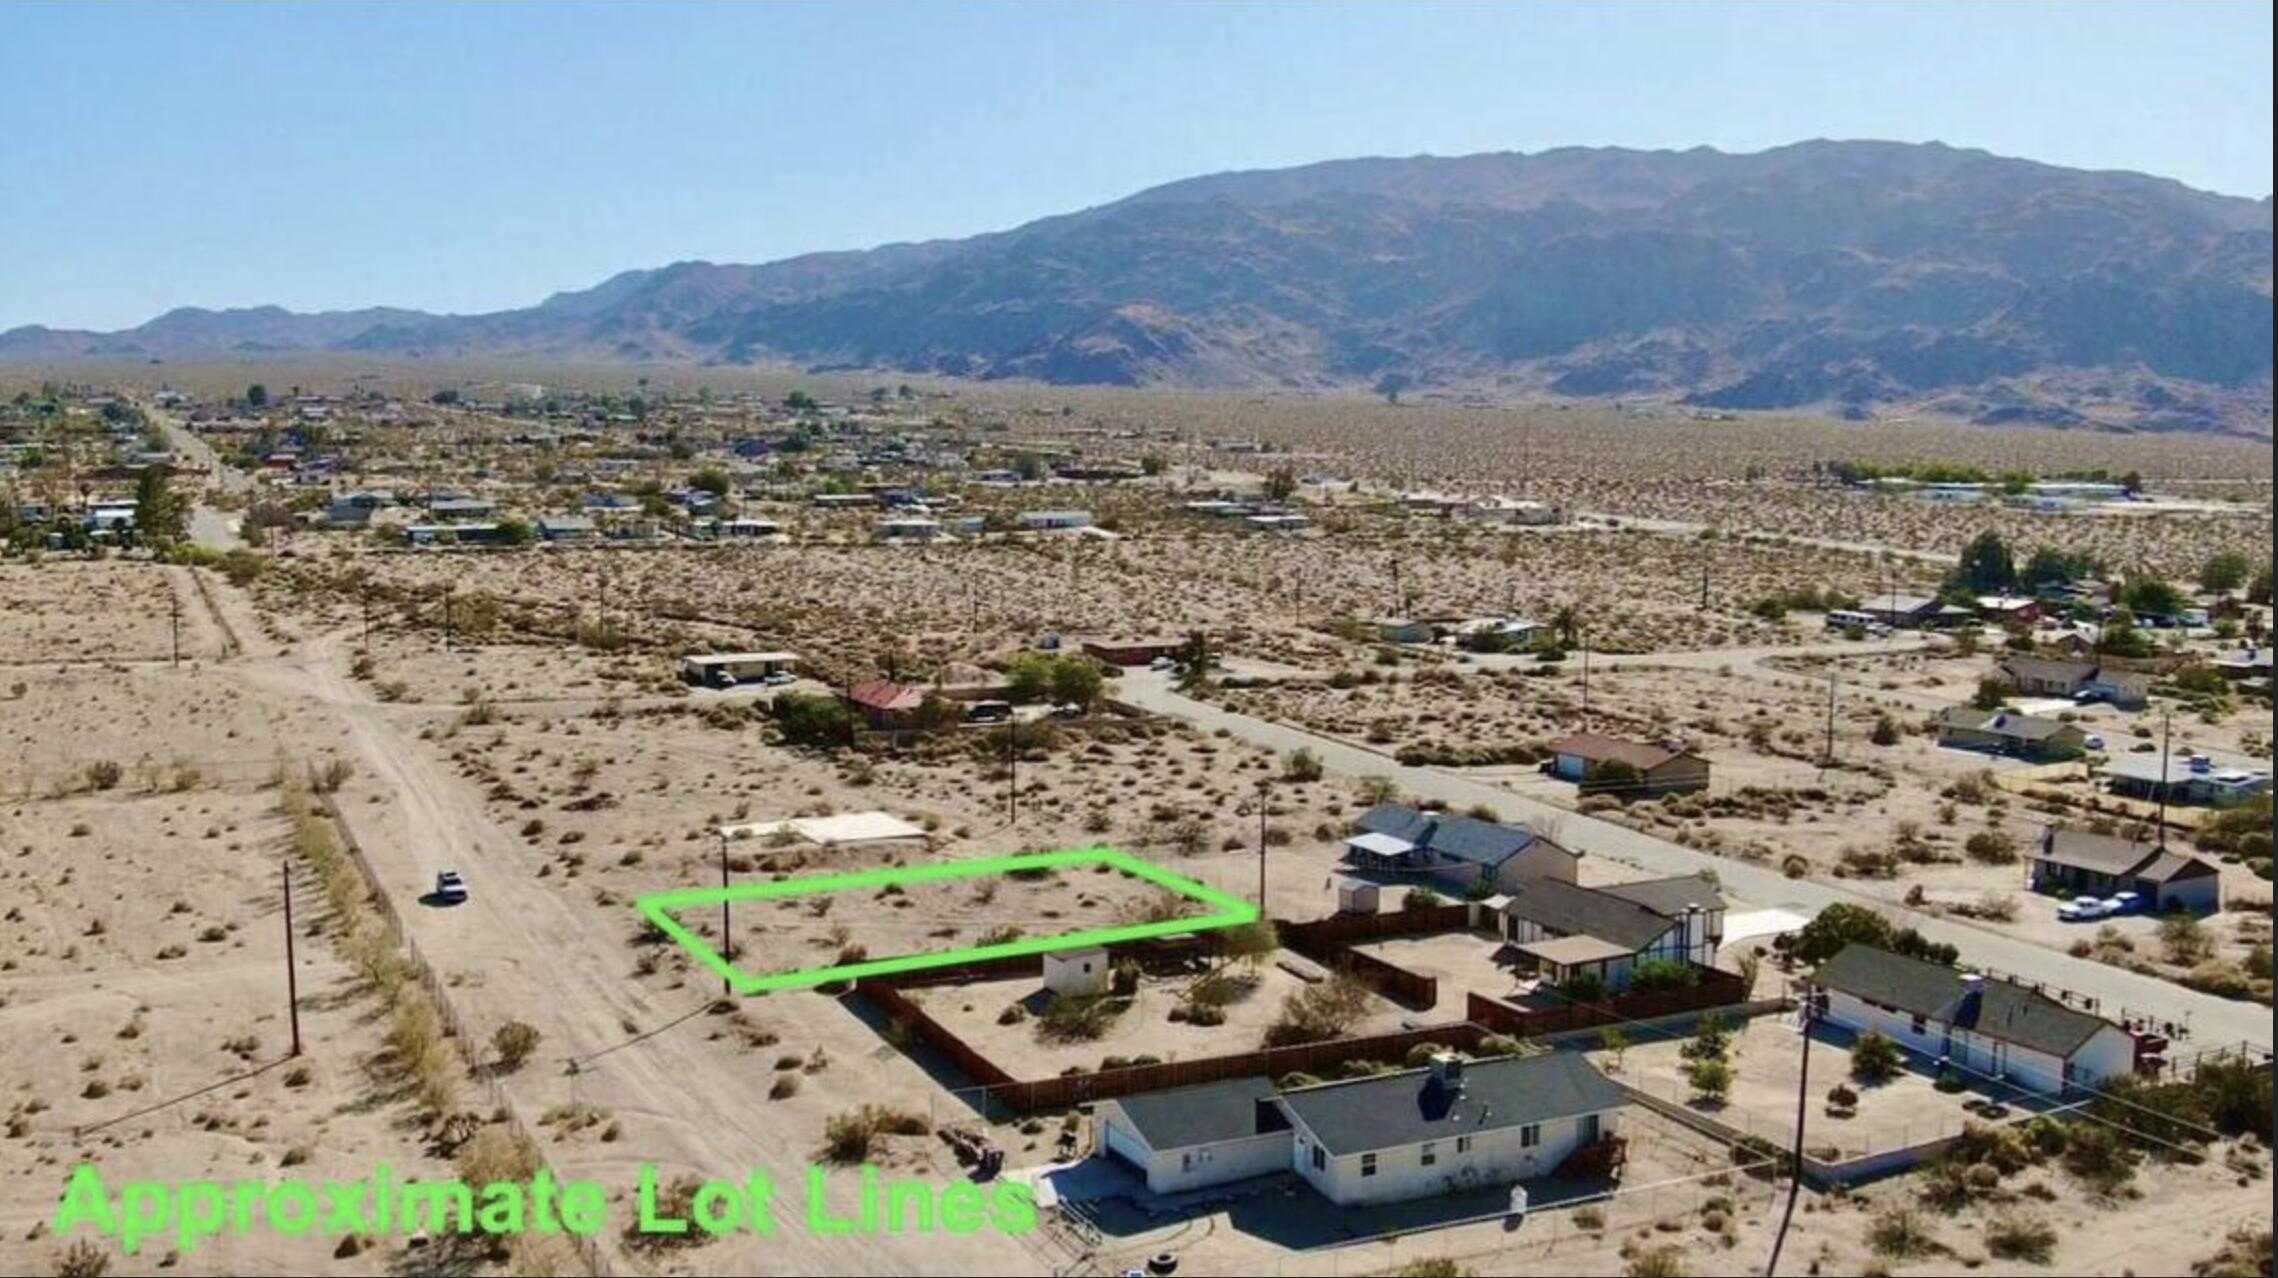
1326	941
1023	1096
1713	989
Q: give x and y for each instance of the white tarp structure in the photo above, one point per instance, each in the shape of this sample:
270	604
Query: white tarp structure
1743	925
846	827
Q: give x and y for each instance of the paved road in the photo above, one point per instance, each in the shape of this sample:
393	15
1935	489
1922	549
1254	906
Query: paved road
2212	1020
209	527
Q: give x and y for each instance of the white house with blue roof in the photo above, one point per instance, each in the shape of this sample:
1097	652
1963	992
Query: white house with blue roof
1454	853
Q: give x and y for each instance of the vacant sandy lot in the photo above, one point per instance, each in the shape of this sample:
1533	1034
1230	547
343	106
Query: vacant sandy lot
144	1024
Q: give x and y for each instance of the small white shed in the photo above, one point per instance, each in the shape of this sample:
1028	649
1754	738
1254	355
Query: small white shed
1356	896
1078	972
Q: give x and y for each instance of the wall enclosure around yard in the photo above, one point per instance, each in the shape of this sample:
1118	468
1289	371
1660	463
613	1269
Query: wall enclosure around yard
1327	941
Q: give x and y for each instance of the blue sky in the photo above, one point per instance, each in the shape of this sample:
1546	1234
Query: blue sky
476	157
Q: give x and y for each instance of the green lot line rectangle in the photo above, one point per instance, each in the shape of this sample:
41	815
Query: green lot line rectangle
1226	911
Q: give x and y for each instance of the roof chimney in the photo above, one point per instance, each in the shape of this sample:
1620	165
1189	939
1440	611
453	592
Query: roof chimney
1447	1070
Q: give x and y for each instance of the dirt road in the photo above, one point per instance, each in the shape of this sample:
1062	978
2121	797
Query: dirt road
519	950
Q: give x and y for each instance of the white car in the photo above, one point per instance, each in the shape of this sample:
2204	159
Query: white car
2082	909
450	889
777	678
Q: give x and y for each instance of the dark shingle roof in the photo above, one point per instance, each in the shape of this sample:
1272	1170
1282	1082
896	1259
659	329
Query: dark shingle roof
2007	723
1408	1108
1579	911
1669	897
1461	838
2006	1011
2088	850
1207	1114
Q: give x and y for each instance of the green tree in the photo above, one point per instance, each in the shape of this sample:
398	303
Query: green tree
1029	467
799	401
711	480
159	517
1991	692
2149	596
2258	590
516	532
2226	570
1280	483
814	720
1875	1059
1844	924
1987	567
1030	679
1301	765
2051	566
1076	681
256	396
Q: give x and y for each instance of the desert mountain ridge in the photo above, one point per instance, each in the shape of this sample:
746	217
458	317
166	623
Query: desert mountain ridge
1866	278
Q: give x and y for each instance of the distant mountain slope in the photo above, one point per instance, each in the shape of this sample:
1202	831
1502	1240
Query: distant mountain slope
1830	274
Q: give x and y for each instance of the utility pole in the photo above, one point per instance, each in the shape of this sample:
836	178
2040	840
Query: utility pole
1584	636
1704	583
1828	756
727	925
447	592
174	622
1795	1155
1265	785
365	595
2166	727
1012	772
292	972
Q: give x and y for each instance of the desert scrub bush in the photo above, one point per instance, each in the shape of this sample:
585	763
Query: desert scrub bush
1319	1012
851	1135
513	1042
1900	1232
1665	1261
2020	1236
1070	1018
82	1259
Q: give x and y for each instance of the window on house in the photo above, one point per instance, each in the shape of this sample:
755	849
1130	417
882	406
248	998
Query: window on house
1320	1159
1530	1135
1368	1164
1463	1144
1431	1153
1920	1024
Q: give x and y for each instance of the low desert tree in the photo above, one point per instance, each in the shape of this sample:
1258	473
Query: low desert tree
2225	570
1280	483
83	1259
1613	1042
257	396
1076	681
1991	692
1030	679
516	532
1252	943
1710	1077
1886	732
711	480
1844	924
1875	1058
2149	595
813	720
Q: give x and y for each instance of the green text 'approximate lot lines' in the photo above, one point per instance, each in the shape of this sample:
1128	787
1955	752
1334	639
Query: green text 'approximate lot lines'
1225	911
